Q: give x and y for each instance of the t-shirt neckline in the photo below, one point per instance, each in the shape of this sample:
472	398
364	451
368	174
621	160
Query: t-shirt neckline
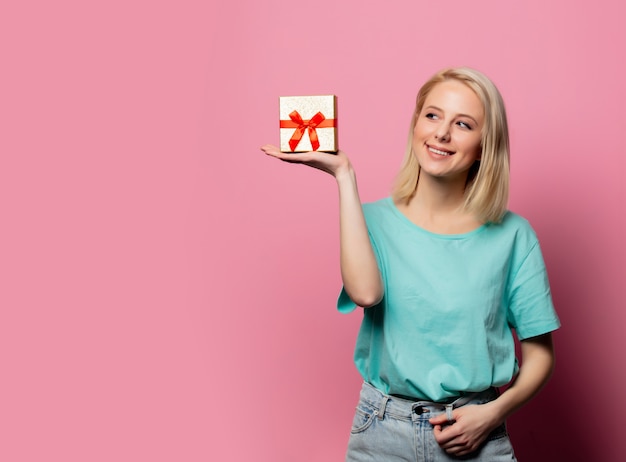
406	220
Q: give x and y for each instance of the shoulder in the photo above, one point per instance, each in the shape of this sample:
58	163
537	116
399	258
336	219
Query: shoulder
380	204
382	217
516	234
512	223
378	209
513	219
513	234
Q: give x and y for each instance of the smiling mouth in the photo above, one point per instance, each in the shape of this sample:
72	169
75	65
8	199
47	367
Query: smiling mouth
439	152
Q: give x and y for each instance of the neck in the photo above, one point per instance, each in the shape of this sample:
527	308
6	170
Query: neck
438	206
439	196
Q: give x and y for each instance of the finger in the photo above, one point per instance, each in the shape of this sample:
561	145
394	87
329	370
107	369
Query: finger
458	444
443	435
269	147
457	452
438	419
447	435
298	157
287	157
462	449
437	434
271	150
308	158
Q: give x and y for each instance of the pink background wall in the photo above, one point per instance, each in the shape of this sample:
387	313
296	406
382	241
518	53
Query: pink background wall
167	292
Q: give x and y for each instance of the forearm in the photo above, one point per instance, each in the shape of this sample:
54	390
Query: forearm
359	268
536	368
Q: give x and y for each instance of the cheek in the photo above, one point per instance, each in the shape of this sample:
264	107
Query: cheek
473	145
419	131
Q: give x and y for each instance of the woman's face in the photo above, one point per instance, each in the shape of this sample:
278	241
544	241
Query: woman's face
447	134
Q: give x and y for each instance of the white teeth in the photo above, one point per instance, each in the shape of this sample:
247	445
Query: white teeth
437	151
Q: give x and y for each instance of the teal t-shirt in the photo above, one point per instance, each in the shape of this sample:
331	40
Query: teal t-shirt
444	325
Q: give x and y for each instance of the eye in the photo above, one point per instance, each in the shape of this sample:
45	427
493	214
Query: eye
465	125
430	115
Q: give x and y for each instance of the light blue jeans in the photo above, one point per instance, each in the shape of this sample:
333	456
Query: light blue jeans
390	429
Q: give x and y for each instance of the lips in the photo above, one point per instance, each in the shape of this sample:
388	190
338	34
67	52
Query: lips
439	152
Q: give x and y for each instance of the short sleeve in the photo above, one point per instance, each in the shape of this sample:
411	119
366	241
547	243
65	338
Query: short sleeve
530	308
344	304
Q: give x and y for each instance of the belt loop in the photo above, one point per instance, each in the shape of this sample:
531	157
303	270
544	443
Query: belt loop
449	408
383	405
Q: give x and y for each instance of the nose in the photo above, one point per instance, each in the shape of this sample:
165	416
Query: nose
443	132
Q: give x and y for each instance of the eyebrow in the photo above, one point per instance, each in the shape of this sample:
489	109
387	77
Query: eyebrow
458	115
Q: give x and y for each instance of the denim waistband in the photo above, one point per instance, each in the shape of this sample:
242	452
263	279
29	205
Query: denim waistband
405	407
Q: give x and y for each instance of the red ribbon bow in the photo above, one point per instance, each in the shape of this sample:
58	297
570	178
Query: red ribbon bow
317	121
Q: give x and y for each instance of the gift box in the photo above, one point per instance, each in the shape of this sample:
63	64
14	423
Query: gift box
308	123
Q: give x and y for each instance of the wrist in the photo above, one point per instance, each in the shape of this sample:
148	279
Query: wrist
497	412
345	174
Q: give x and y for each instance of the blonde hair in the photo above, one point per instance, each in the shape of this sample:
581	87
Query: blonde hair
487	189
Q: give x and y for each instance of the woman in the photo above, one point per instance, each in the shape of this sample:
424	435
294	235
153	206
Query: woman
444	273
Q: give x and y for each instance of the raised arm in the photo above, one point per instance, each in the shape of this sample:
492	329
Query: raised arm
359	269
